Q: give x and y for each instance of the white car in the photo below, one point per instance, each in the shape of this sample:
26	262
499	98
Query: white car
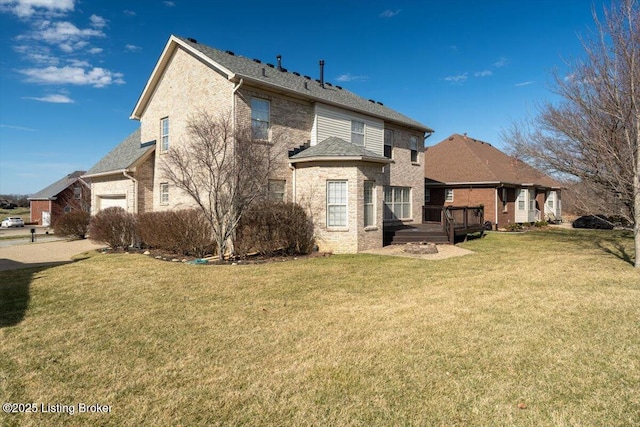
12	222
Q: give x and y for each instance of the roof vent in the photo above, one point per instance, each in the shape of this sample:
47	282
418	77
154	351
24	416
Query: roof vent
264	72
339	87
379	103
318	80
279	59
307	77
372	101
257	60
270	66
296	74
230	52
306	85
328	84
192	40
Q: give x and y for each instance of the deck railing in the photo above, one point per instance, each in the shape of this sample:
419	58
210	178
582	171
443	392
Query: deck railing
455	220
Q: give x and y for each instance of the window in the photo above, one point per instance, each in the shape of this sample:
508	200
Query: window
504	200
427	195
357	132
275	190
260	118
448	195
336	203
413	143
522	195
164	134
388	143
77	192
397	202
369	204
532	200
164	193
550	200
67	209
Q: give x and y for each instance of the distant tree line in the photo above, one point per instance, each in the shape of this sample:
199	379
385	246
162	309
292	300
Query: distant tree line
19	199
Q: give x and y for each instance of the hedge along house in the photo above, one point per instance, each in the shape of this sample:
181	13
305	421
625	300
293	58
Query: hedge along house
124	177
65	195
462	171
354	163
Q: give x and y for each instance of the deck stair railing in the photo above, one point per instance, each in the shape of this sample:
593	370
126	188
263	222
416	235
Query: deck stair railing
455	220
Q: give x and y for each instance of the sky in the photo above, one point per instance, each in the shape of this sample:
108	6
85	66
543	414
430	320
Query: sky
71	71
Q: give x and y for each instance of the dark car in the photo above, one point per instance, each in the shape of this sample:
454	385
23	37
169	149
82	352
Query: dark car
593	221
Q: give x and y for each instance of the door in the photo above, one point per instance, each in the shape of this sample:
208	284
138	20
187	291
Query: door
46	218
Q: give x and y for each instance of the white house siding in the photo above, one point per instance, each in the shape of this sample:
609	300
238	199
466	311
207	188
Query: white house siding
107	190
333	121
187	87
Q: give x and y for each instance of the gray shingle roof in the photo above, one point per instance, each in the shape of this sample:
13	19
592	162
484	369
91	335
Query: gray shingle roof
337	148
260	72
50	192
123	156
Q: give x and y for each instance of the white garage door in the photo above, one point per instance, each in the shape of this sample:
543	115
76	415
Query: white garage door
105	202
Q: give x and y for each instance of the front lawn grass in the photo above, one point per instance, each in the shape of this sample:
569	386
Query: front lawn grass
534	329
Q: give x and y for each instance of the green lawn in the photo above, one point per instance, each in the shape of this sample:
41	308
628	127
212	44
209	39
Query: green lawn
548	320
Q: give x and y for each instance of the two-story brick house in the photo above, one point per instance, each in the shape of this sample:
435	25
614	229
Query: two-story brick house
361	165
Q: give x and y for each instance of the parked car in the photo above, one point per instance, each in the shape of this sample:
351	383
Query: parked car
593	221
12	222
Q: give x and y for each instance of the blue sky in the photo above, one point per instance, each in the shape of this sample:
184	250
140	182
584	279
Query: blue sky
71	71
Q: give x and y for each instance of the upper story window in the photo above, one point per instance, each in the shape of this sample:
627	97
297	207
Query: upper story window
164	134
357	132
413	143
77	192
260	112
388	143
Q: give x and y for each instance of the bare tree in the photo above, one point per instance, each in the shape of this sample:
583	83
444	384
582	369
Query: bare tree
222	169
593	133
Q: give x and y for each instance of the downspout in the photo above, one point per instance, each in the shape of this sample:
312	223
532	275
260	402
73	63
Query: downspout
135	190
233	107
496	208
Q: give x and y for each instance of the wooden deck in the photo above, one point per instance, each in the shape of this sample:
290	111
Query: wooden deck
440	225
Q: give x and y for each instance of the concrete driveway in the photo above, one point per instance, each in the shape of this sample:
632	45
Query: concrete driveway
26	254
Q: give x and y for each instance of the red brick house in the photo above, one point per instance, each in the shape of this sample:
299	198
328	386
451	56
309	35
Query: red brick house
462	171
67	194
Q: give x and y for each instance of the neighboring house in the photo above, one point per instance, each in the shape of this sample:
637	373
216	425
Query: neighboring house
65	195
355	164
462	171
124	177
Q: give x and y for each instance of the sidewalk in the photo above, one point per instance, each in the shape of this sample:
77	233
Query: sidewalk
43	253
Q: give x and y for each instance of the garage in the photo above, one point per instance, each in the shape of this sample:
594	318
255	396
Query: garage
119	201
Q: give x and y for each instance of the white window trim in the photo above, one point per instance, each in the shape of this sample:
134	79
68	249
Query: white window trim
364	132
164	191
447	192
345	204
522	197
262	121
409	202
372	204
164	149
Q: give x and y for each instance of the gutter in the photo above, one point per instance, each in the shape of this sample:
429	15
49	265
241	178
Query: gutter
340	158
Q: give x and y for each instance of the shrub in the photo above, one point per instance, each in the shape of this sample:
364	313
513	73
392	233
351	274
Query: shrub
74	223
183	232
540	224
113	226
269	227
514	226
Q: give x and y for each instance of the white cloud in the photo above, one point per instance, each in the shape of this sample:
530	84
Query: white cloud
63	32
26	8
483	73
390	13
132	48
96	77
129	12
524	84
98	21
348	77
95	50
459	78
501	62
53	98
169	3
17	128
